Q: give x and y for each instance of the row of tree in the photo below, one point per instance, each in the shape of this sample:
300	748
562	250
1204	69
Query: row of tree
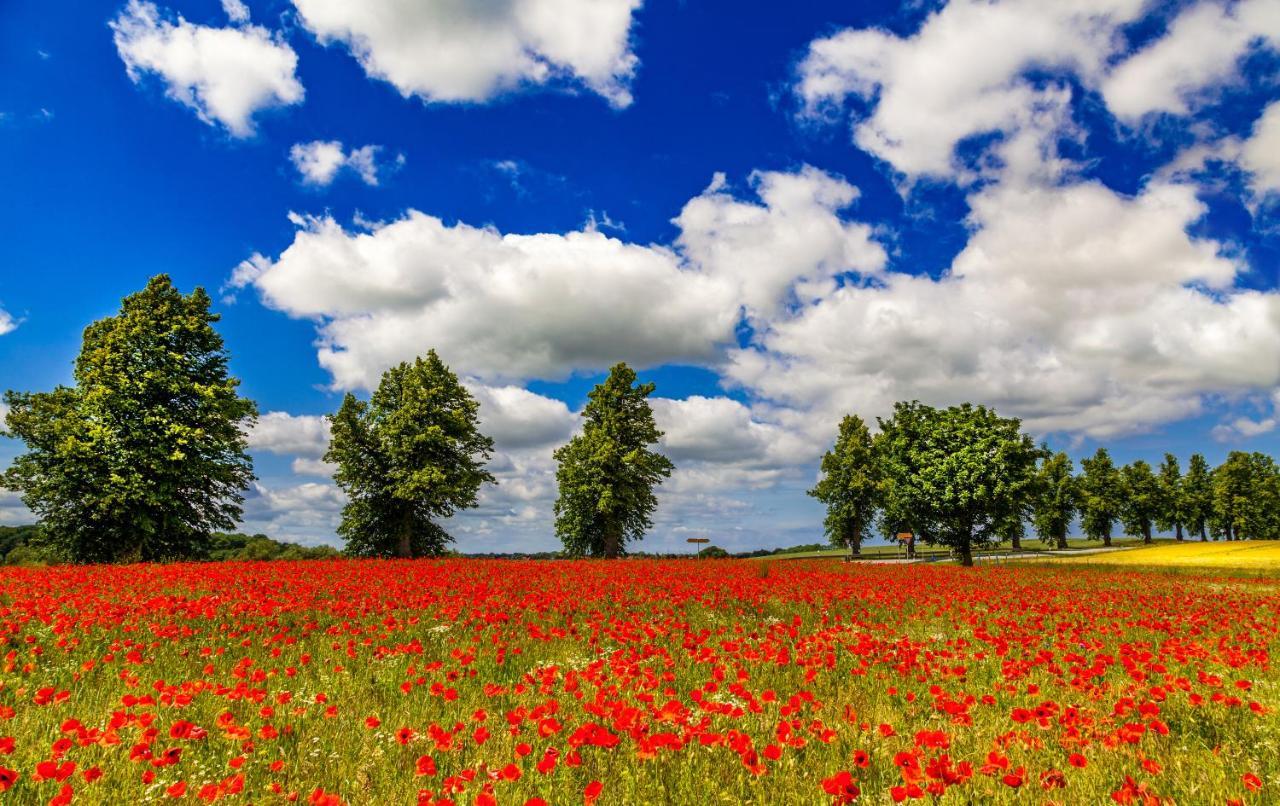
144	458
964	477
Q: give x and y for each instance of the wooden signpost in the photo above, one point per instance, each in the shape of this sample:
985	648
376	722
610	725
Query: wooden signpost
699	540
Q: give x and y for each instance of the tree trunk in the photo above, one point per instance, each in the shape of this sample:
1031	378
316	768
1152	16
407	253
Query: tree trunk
1177	531
404	547
1204	534
966	554
612	543
1106	537
1016	542
1062	539
1146	533
911	546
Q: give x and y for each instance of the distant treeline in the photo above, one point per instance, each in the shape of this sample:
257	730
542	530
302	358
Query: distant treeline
21	545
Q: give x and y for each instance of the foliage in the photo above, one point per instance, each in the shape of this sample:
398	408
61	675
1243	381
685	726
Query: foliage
961	472
1197	496
1101	496
144	457
1171	504
238	546
1057	498
1246	496
713	553
850	485
1140	498
410	456
607	474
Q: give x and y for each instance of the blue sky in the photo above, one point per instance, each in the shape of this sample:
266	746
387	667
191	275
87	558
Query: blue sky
1066	210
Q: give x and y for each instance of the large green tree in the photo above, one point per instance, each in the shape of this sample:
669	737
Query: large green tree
143	458
959	474
1197	496
1246	497
607	474
1101	496
850	485
1140	498
1057	498
410	456
1171	506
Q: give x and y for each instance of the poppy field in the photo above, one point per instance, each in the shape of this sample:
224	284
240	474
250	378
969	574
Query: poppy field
581	682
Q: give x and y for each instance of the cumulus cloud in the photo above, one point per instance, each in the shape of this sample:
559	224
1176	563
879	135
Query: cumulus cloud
494	305
1260	153
507	306
235	10
308	513
7	323
1238	429
793	239
963	74
291	434
1074	307
225	75
1201	51
724	431
444	50
320	161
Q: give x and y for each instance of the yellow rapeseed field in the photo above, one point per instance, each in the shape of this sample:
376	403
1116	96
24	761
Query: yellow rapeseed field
1219	554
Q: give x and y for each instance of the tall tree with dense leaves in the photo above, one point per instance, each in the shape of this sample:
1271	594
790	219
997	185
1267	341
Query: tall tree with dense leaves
1171	507
850	485
607	474
1197	496
143	458
1140	498
1056	500
1101	496
1246	497
961	473
409	457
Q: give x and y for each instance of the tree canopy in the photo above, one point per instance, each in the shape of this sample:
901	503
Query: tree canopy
1101	496
410	456
1057	497
1139	499
607	474
1246	497
144	456
1197	496
959	474
850	485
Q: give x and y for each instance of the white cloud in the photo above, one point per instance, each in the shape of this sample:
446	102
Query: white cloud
7	323
308	513
279	432
1201	51
443	50
226	75
1241	428
1076	308
507	306
962	75
793	239
302	466
494	305
721	430
518	419
319	161
1260	154
235	10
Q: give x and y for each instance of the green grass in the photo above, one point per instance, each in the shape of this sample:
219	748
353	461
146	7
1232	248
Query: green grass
883	551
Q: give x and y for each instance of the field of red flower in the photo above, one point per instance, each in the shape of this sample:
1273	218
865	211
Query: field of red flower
636	682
